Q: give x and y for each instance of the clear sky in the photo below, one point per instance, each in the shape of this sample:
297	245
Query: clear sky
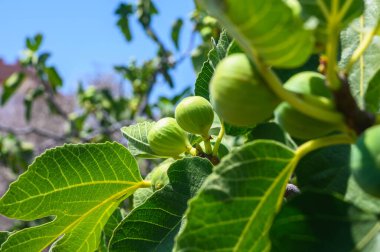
83	38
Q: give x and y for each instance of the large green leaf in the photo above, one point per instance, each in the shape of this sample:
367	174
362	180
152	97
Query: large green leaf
110	226
372	96
326	169
360	198
137	136
270	28
81	185
323	10
365	70
153	225
237	203
214	56
317	222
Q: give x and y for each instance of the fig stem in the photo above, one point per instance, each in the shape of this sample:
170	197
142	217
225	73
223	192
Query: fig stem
322	142
363	46
208	148
219	139
295	101
145	184
332	48
313	145
192	151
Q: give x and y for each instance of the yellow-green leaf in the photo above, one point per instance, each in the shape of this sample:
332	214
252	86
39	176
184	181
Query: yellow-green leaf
80	185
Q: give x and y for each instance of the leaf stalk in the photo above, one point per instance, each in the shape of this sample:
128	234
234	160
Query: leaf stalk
219	139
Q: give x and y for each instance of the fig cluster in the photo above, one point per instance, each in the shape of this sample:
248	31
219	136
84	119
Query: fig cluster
169	136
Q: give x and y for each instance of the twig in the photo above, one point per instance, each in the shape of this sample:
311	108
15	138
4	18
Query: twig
356	119
51	99
189	49
110	130
31	130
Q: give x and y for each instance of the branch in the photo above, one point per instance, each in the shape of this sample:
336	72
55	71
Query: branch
51	99
357	119
31	130
190	47
110	130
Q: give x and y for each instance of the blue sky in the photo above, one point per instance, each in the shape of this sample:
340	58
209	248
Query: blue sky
83	38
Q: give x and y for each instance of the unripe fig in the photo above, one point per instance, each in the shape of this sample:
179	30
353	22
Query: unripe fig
238	93
311	86
159	176
195	115
365	161
167	138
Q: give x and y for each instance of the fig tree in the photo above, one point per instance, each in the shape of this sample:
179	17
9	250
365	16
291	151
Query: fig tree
239	94
365	161
167	138
311	87
195	115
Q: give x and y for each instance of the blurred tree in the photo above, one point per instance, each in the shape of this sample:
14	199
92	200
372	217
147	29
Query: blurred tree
36	116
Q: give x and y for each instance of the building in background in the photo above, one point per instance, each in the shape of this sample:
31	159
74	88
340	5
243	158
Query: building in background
12	119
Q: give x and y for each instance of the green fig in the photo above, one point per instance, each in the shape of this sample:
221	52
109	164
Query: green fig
365	161
168	139
238	93
195	115
159	176
311	87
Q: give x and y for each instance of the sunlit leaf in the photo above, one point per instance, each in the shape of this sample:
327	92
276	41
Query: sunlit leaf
81	185
137	136
363	79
